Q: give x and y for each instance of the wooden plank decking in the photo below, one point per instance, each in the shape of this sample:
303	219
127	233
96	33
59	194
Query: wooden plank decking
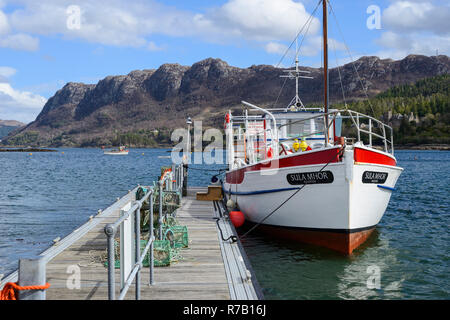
208	269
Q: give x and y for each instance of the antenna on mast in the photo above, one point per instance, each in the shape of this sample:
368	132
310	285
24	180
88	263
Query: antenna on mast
296	103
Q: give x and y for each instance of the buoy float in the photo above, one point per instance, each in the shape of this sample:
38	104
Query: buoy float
269	153
237	218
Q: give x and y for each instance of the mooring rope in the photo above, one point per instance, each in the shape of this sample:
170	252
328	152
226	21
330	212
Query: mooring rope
232	237
220	170
10	289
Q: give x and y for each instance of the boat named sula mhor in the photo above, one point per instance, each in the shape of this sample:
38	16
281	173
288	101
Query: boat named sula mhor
311	175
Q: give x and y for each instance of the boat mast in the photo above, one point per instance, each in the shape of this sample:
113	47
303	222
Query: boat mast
325	66
297	98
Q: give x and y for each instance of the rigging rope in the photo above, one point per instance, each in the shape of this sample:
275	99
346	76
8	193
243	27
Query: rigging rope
307	23
339	73
352	60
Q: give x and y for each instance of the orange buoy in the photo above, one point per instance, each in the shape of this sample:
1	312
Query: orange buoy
237	218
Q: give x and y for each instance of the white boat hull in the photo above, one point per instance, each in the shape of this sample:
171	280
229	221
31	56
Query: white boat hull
111	153
346	205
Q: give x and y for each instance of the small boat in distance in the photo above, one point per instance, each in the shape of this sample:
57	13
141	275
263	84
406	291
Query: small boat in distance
117	152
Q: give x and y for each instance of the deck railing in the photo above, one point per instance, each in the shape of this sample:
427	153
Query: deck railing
360	121
173	181
364	125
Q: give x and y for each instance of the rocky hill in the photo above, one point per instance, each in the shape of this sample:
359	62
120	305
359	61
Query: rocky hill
146	104
7	126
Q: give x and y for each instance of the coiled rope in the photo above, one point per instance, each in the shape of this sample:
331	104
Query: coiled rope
10	289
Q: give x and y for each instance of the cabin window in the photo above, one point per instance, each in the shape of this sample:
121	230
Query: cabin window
296	128
318	126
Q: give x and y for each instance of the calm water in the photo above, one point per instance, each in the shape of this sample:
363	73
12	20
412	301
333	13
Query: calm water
47	195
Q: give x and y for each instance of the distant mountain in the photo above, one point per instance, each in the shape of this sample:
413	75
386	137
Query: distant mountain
7	126
144	105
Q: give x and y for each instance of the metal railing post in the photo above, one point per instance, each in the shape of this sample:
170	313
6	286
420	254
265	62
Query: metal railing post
137	232
150	238
180	169
185	180
174	177
370	134
392	141
357	122
180	179
160	209
135	273
110	232
32	273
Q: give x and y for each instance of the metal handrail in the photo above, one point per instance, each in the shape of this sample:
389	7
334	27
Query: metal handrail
275	147
388	142
111	229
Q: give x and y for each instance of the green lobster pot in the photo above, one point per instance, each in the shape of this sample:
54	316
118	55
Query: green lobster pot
162	255
116	255
171	201
180	235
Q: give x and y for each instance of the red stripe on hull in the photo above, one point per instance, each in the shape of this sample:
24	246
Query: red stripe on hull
342	242
301	159
367	156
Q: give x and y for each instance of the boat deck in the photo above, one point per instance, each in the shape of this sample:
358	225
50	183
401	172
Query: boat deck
209	269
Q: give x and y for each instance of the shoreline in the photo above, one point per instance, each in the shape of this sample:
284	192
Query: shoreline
26	150
437	147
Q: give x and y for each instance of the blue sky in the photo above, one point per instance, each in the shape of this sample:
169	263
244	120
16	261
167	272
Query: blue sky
42	47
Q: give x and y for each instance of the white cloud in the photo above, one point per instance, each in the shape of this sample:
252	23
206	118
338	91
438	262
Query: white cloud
130	23
4	24
408	17
151	46
17	41
20	41
275	48
400	45
19	105
262	20
414	27
105	22
7	72
313	46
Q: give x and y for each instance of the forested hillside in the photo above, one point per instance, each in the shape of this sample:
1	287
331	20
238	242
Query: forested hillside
419	113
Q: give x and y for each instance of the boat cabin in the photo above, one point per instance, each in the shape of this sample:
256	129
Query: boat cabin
263	134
